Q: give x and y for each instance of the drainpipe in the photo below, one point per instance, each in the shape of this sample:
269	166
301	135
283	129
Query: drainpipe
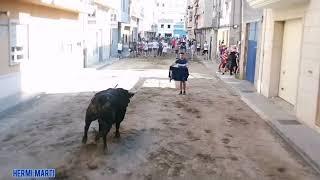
265	13
241	20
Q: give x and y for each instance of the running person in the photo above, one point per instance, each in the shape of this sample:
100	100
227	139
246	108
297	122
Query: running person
120	50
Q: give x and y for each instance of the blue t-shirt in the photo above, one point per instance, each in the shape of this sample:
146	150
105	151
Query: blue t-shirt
182	62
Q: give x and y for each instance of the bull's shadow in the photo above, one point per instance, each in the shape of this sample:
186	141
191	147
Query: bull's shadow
129	140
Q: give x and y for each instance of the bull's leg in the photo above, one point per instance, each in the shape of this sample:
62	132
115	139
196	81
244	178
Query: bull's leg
117	135
105	132
119	118
98	135
86	128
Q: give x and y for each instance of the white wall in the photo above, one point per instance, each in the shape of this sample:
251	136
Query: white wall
10	84
309	75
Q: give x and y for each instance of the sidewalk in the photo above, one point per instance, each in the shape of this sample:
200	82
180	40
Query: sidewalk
103	64
299	136
9	103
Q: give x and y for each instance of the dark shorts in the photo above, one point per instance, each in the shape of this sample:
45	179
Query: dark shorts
198	49
119	51
178	74
176	51
205	51
150	49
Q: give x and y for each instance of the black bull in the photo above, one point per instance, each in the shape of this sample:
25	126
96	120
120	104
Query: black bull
109	107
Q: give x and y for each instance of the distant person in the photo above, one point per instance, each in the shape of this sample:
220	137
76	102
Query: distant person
145	48
193	50
135	49
232	60
120	50
181	72
176	50
205	50
150	46
224	60
183	47
198	48
155	47
160	49
165	48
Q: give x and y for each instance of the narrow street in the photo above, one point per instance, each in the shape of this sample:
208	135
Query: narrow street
207	134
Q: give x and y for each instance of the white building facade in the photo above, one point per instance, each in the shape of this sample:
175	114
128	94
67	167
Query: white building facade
289	63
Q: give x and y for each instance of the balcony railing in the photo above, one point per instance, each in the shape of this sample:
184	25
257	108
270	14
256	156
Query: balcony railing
274	3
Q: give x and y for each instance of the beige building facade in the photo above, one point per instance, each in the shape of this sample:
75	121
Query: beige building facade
289	62
229	16
38	41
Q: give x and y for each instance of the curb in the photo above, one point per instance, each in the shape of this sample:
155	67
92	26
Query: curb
269	121
277	130
293	145
20	103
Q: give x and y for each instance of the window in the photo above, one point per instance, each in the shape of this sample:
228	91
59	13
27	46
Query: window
93	14
169	26
19	42
162	4
157	4
113	17
162	25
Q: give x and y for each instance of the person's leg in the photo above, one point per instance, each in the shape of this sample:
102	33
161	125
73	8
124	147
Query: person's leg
184	87
223	68
219	68
180	87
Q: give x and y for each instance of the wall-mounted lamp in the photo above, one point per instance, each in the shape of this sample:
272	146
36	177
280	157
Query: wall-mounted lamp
7	13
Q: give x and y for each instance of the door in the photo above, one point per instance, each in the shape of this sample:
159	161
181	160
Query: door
114	42
318	111
93	47
252	51
210	47
289	71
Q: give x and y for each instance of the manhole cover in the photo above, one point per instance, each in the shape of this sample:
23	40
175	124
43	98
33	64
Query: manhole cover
289	122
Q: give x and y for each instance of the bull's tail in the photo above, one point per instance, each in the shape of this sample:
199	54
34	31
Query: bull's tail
116	86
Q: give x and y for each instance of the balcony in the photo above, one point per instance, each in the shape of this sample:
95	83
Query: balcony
274	3
107	3
67	5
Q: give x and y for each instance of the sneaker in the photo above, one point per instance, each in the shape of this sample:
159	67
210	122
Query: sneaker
180	93
184	93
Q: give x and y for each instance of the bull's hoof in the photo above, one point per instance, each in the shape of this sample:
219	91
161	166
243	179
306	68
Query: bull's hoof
84	140
117	135
96	139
